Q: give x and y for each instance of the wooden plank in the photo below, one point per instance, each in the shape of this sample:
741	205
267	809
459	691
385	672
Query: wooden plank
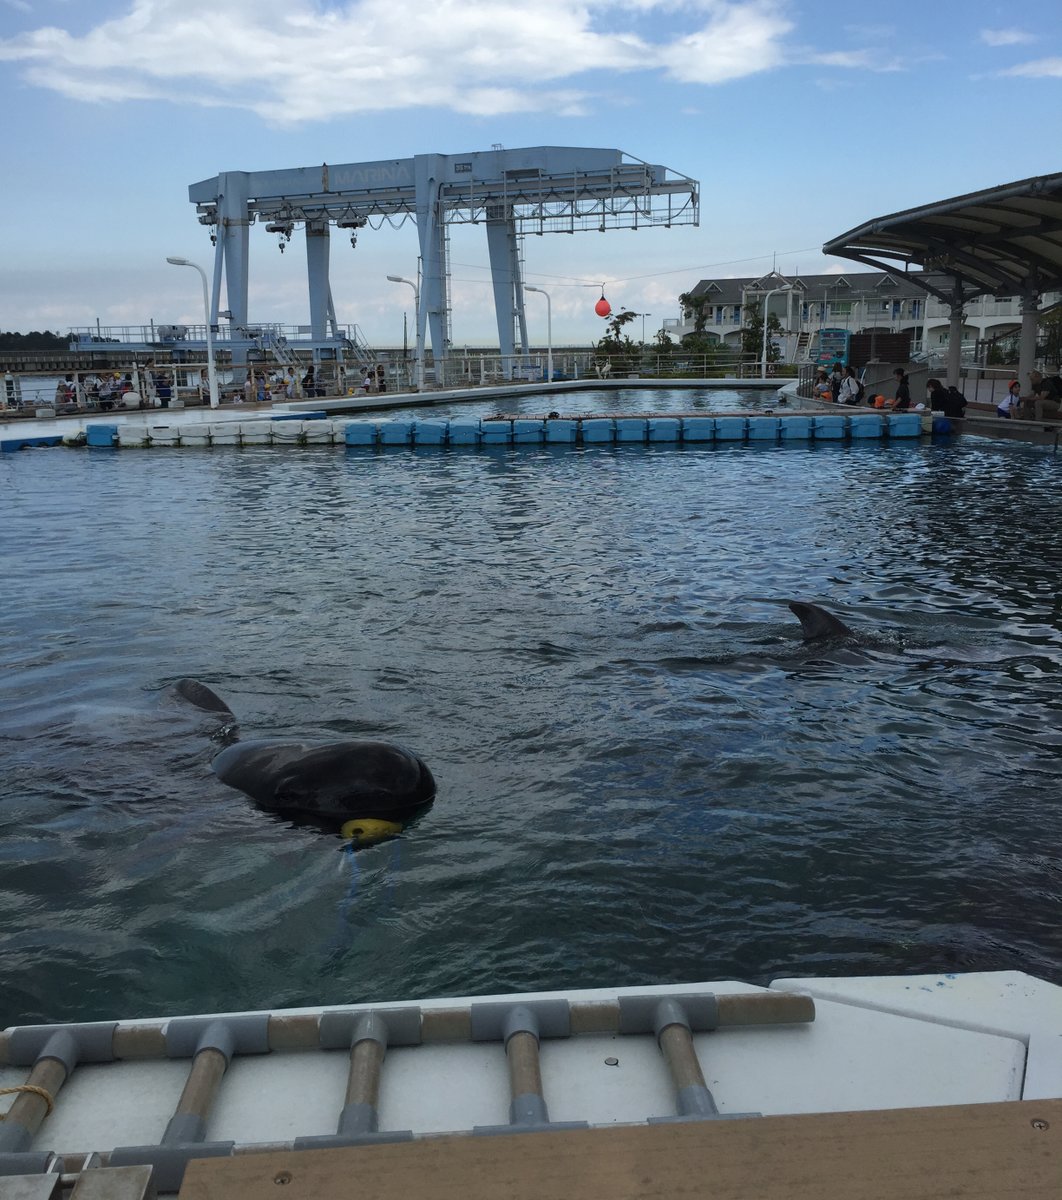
974	1152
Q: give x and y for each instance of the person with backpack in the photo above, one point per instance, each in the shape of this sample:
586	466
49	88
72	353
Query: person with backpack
935	393
849	391
954	403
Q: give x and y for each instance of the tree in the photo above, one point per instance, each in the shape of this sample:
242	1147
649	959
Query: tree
752	333
1050	337
615	325
703	344
616	345
696	307
19	342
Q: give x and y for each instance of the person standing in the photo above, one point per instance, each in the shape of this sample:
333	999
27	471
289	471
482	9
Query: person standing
848	392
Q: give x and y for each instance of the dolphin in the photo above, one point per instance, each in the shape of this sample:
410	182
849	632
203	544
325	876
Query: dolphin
334	781
364	789
817	624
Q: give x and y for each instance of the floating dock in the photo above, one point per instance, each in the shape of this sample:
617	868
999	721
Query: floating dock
909	1087
318	429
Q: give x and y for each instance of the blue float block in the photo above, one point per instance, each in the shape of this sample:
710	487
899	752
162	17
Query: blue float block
730	429
528	431
866	425
763	429
11	444
598	429
562	430
431	433
396	433
665	429
100	435
631	429
464	433
496	433
698	429
794	429
827	426
360	433
905	424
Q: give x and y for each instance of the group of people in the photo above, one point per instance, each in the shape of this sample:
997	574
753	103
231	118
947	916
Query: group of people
1042	402
842	385
103	393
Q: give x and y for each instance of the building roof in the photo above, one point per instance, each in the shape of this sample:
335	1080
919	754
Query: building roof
1003	240
836	286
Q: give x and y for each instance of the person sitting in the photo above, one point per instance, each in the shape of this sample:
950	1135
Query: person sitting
1042	401
1047	402
1011	402
823	389
902	400
954	403
935	393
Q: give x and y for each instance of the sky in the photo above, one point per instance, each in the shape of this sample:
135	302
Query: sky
800	118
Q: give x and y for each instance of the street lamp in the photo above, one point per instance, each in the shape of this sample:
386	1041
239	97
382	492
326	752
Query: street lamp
549	330
773	292
211	373
419	360
643	316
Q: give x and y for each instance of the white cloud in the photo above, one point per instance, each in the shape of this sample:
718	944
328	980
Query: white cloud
1040	68
293	61
857	60
738	40
1005	37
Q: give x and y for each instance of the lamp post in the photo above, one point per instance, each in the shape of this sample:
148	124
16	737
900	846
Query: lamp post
643	316
211	372
549	330
773	292
419	359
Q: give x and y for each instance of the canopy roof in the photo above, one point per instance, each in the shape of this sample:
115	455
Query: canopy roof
1005	240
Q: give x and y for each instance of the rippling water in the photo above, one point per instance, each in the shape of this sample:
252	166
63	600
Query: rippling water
644	775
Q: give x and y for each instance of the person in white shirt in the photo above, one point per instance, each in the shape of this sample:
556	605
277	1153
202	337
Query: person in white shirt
849	390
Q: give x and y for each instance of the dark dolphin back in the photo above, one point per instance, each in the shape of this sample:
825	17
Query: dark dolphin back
817	623
337	780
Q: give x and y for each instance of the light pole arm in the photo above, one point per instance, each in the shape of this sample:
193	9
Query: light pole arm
212	376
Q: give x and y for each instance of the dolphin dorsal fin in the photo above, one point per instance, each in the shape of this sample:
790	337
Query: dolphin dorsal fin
817	623
199	695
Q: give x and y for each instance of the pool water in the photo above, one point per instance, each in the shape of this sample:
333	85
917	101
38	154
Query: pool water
532	402
645	775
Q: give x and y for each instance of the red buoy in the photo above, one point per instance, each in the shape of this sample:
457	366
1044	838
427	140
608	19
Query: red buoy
602	307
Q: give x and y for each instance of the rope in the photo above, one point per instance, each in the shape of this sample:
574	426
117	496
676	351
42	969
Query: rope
44	1094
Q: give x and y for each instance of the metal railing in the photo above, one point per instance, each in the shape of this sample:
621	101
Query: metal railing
484	370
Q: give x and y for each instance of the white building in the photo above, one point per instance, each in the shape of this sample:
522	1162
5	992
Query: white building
859	301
